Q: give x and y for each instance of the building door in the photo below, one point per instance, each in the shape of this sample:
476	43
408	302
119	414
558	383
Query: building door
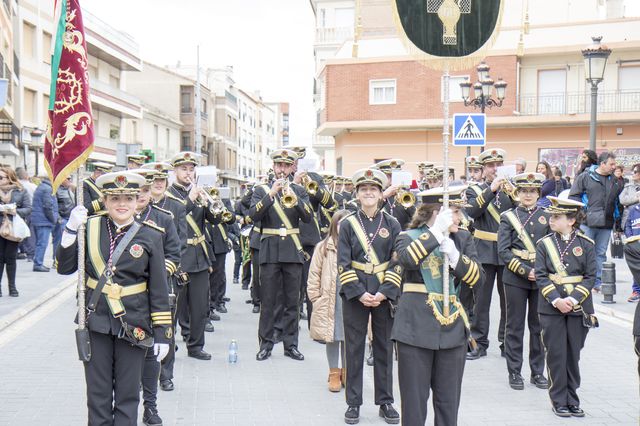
552	91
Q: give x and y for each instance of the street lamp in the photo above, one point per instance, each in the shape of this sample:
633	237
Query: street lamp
483	91
595	60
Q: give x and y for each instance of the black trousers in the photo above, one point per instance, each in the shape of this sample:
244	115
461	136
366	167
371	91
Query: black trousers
8	254
632	256
274	278
356	321
563	337
480	325
193	309
166	366
303	284
636	347
150	376
421	370
237	261
255	281
522	304
217	281
113	381
467	298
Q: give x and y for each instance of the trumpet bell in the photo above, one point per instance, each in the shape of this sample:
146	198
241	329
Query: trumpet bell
289	200
227	216
407	199
312	187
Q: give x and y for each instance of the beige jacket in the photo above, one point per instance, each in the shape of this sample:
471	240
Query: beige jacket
321	290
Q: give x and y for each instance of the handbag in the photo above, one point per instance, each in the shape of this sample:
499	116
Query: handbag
20	228
7	229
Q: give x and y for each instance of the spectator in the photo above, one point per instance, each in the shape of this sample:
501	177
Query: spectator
521	165
619	173
561	183
568	179
66	203
629	198
27	247
44	218
11	192
548	185
599	191
589	159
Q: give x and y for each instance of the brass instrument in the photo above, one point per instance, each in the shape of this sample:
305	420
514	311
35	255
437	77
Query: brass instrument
288	198
406	198
217	207
509	188
310	185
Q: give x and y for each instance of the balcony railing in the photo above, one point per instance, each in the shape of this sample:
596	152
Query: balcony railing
333	35
579	103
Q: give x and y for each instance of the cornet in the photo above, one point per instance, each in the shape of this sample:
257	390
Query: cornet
215	203
310	185
406	198
288	198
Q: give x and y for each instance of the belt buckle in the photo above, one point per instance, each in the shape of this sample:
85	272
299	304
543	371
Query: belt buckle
114	291
368	268
282	232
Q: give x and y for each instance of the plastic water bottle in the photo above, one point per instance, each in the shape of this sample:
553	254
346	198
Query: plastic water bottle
233	352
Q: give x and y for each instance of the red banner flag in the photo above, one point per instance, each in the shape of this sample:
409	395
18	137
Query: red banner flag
69	137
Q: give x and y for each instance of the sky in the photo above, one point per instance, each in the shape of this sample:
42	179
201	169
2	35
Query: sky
268	42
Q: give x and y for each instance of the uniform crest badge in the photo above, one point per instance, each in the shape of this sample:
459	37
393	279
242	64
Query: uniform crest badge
424	236
136	251
168	333
368	174
139	333
398	269
542	220
340	269
577	251
384	232
121	181
521	271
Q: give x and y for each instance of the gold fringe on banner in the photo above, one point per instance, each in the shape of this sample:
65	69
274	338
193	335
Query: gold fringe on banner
441	63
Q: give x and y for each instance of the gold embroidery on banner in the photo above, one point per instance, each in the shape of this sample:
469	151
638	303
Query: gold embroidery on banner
449	12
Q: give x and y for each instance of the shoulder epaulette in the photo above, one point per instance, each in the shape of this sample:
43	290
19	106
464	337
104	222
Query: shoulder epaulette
162	210
581	235
154	226
98	214
542	238
173	197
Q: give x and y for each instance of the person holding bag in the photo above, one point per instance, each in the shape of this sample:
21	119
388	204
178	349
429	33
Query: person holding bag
322	290
14	202
127	298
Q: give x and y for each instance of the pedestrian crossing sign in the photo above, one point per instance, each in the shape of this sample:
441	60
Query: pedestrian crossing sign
469	129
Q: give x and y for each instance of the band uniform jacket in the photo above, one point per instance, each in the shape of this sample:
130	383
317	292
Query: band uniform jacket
177	208
162	220
415	323
401	213
141	262
197	256
254	236
311	232
518	259
485	209
92	197
355	282
579	261
275	248
219	235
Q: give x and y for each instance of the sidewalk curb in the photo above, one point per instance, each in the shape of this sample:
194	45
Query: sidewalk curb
22	311
614	313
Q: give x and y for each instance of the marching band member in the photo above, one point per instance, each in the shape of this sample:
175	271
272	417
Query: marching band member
402	213
520	229
93	201
486	201
193	302
431	344
565	274
280	208
127	298
423	166
474	167
365	247
135	161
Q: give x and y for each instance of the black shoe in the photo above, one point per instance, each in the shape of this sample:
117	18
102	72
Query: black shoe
226	299
352	415
256	309
476	353
245	287
21	256
184	337
575	411
502	350
303	316
539	381
370	361
249	301
236	281
166	385
221	308
516	381
277	337
263	354
40	268
151	417
389	414
561	411
213	316
294	353
208	327
199	354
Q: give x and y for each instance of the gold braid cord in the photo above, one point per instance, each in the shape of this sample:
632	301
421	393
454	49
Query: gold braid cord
432	298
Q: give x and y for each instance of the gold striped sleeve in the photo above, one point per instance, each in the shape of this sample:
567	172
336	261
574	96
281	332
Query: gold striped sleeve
170	266
420	248
161	318
548	289
96	205
470	271
348	276
583	290
393	277
415	258
476	275
513	266
480	200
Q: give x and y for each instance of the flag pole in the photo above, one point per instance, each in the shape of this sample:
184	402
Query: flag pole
82	313
445	181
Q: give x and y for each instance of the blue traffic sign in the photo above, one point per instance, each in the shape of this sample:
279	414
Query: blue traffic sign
469	129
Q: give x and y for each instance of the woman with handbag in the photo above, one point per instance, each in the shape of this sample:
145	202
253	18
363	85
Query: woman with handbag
14	200
127	297
323	291
565	272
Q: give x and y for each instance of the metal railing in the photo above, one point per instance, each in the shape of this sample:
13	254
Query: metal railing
579	102
333	35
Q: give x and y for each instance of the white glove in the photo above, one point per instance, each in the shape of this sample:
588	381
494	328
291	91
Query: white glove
449	248
443	221
77	217
160	350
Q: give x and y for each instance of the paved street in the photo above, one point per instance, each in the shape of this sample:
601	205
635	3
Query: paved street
42	380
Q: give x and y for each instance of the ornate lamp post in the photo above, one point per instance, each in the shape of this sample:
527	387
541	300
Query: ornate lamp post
595	60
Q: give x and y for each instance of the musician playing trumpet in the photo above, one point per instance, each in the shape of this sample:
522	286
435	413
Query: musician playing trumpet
402	211
280	207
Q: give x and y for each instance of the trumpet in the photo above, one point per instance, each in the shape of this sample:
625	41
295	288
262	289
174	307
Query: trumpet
509	188
288	198
406	198
217	207
310	185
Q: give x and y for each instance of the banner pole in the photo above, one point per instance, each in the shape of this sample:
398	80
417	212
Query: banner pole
445	181
82	313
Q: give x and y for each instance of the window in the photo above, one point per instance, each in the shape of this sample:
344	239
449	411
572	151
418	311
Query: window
552	86
344	17
28	40
455	93
93	72
186	141
185	102
629	79
45	108
114	81
46	47
29	109
339	165
134	130
114	132
382	92
167	141
156	136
